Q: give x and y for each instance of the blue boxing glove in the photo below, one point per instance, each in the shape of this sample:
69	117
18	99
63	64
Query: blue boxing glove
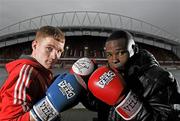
63	92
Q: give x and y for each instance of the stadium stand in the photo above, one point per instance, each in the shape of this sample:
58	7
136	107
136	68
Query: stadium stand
84	46
86	32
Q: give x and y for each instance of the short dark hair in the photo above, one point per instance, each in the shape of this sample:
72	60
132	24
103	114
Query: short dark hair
129	42
119	34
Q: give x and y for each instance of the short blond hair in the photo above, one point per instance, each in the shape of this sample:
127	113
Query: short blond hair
50	31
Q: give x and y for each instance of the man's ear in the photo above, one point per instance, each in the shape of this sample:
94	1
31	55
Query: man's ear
135	48
34	44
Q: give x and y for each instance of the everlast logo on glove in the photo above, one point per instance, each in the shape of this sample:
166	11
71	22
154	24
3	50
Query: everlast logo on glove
105	79
66	89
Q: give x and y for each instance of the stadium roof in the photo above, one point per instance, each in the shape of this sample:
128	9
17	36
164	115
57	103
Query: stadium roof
162	13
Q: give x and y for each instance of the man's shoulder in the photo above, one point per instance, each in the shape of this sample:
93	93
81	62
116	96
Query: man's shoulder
21	62
21	67
160	75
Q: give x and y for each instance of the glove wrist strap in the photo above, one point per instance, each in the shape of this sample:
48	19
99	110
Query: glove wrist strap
44	110
129	107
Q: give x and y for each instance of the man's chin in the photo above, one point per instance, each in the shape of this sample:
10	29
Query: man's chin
48	67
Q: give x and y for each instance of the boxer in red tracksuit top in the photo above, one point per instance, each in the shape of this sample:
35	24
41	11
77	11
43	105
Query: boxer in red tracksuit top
26	84
29	78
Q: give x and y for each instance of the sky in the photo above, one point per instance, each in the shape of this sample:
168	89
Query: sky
162	13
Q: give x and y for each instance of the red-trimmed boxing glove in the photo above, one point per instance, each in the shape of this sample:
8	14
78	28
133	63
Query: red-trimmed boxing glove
109	86
83	67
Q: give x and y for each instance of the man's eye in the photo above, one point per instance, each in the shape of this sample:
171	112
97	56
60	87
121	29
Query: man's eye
59	52
108	54
49	49
122	52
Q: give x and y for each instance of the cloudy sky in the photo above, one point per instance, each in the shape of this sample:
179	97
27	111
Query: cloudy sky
162	13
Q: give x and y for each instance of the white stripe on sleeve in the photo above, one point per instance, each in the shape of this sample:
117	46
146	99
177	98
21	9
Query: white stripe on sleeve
17	83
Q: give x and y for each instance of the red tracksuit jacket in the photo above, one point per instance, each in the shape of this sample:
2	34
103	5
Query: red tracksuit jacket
27	83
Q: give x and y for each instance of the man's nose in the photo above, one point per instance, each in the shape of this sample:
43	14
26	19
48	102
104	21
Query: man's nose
114	56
